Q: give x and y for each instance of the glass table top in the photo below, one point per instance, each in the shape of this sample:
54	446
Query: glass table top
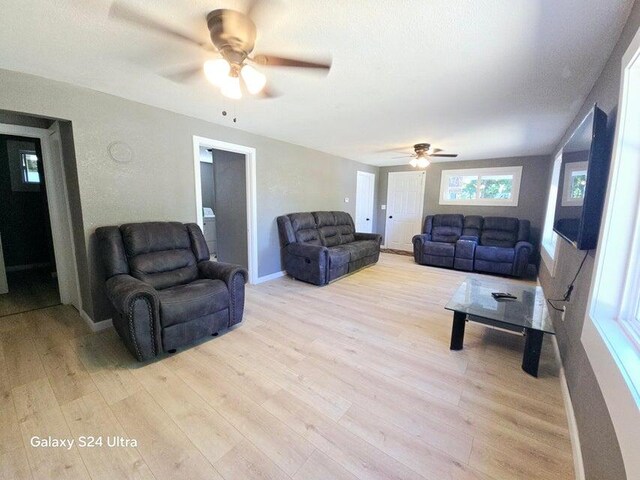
529	310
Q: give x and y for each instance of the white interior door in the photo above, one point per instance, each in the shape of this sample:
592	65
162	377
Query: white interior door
365	192
405	201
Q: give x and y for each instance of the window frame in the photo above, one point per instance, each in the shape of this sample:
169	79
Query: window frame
569	168
515	171
549	243
24	170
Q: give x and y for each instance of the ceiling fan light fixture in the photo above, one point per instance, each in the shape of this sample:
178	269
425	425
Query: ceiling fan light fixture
413	162
423	162
217	71
231	88
253	79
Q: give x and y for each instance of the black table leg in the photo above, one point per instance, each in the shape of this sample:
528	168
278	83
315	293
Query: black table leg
457	330
532	349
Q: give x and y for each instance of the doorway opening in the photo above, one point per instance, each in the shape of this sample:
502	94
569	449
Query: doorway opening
30	276
37	245
226	202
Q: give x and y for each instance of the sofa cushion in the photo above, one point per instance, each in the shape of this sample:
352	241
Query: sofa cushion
361	249
338	256
439	249
500	232
329	236
447	228
473	225
149	237
495	254
335	228
305	229
183	303
159	253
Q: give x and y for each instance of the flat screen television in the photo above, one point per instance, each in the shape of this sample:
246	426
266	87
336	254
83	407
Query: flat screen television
583	179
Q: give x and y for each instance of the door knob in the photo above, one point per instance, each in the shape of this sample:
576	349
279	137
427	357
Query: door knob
390	216
367	219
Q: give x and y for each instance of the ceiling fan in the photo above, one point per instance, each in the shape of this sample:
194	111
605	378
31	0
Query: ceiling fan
423	152
233	36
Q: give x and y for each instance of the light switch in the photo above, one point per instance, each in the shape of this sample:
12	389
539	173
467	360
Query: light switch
346	199
383	207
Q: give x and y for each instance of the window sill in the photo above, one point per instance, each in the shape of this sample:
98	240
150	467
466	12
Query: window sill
622	350
480	203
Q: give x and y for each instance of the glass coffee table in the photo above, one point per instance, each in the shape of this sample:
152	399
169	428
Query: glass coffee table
527	314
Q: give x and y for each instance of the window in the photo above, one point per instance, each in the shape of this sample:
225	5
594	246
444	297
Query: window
575	181
29	167
481	186
549	237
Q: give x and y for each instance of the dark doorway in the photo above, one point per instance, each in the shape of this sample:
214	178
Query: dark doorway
224	202
25	228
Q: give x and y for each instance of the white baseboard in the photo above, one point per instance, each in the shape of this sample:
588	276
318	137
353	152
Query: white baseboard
272	276
95	326
578	465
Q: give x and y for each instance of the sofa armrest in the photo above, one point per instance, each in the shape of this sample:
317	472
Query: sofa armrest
523	251
235	278
422	238
418	241
308	263
368	236
469	238
138	322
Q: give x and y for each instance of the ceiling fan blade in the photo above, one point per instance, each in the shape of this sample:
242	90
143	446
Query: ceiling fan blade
435	150
449	155
276	61
127	14
184	75
404	156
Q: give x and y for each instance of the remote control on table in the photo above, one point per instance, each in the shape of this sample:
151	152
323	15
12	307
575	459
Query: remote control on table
503	296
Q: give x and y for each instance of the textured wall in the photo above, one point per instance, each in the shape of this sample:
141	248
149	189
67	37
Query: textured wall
601	452
159	184
533	188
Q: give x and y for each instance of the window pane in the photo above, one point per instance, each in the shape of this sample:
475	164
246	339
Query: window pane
462	187
496	186
30	172
578	183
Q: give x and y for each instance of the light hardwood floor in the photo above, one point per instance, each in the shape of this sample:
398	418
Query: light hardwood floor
350	381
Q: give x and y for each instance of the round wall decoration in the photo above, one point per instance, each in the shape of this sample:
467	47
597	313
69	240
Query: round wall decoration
120	152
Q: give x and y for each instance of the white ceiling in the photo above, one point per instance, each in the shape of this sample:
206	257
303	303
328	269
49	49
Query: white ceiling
482	78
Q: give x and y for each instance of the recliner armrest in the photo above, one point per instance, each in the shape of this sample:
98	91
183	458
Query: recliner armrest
523	245
123	289
368	236
523	251
234	277
138	323
222	271
423	237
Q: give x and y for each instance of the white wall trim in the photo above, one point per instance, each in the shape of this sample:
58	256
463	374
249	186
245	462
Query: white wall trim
271	276
252	202
95	326
578	464
59	213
